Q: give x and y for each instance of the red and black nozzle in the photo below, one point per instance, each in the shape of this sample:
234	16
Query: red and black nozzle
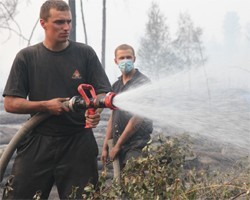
78	103
106	101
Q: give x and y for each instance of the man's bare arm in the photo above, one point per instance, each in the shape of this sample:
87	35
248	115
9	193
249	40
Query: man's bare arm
23	106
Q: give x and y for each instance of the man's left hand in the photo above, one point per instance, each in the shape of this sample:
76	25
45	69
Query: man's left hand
93	120
114	152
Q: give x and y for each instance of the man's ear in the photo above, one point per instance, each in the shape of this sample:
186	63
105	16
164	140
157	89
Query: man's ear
115	61
43	24
134	59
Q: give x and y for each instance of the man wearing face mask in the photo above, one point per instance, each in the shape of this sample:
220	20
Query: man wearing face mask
130	133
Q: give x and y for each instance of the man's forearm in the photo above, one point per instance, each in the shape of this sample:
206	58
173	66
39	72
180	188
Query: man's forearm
132	126
108	134
23	106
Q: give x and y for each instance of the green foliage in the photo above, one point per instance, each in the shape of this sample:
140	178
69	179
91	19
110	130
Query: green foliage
150	176
160	173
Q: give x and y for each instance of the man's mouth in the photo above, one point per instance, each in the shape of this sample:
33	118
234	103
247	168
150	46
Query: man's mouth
64	34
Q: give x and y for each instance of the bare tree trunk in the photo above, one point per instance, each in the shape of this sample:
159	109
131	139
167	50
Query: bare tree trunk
84	24
32	32
72	5
103	33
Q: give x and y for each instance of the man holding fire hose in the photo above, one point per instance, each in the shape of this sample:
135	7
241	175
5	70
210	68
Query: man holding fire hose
130	133
59	150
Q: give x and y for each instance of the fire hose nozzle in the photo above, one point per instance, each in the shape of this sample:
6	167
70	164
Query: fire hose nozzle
83	102
77	103
106	101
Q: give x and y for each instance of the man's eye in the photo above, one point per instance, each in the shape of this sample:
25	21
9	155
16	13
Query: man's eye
60	22
125	57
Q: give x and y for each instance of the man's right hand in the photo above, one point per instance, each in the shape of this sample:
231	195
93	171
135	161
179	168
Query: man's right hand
104	156
56	106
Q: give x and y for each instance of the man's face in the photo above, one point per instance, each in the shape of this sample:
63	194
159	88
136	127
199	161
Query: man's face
124	54
57	27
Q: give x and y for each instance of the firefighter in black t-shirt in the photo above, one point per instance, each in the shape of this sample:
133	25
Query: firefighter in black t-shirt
59	150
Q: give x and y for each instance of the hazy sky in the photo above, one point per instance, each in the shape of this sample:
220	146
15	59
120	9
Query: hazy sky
126	21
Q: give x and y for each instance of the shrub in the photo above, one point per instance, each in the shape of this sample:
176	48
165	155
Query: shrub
160	174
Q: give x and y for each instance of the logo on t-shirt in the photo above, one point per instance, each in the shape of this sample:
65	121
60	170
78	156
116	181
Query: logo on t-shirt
76	75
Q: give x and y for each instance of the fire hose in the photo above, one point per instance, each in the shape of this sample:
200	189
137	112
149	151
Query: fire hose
116	163
75	104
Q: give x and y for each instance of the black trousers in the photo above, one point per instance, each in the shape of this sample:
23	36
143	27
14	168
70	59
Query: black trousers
42	161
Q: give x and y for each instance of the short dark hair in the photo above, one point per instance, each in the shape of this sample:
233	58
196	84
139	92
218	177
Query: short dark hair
124	47
55	4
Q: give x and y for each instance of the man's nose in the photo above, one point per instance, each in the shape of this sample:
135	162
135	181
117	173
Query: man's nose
67	25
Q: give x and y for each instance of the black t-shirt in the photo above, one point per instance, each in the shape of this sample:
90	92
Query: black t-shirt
40	74
120	118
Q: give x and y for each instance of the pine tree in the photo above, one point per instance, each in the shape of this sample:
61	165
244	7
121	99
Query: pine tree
188	45
154	54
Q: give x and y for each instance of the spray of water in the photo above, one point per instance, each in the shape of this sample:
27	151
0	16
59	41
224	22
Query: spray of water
215	105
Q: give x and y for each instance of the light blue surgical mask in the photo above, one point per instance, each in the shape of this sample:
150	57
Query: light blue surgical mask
126	65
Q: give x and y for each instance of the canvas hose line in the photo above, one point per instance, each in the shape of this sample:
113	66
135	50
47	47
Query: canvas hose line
116	164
